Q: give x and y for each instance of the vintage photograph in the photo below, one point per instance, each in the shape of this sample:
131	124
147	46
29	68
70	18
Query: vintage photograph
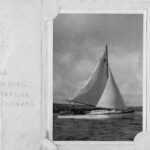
97	77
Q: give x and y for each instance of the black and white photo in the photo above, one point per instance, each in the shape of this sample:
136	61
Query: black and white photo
97	77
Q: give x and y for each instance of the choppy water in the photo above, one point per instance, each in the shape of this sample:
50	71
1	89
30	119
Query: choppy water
123	128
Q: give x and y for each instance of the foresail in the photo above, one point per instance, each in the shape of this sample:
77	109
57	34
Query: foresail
111	97
92	91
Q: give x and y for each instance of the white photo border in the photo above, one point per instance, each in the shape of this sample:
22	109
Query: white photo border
47	68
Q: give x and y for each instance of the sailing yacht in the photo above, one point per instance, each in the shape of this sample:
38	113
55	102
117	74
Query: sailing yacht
101	92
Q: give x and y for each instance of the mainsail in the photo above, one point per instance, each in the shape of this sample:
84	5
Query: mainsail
101	89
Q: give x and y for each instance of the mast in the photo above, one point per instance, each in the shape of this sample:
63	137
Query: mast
105	59
106	49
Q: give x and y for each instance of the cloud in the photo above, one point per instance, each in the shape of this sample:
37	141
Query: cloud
83	68
65	58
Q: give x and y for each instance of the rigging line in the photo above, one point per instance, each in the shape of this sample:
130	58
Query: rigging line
80	103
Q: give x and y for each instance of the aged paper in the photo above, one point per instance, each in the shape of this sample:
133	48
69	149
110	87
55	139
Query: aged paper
26	70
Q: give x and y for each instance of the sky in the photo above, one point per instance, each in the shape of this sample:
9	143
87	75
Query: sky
79	42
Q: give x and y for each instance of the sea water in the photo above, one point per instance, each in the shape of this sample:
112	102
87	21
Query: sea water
123	128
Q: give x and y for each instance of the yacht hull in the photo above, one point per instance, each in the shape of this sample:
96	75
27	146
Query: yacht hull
96	115
83	116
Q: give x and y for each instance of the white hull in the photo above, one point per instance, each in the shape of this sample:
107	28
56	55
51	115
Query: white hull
94	116
84	116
